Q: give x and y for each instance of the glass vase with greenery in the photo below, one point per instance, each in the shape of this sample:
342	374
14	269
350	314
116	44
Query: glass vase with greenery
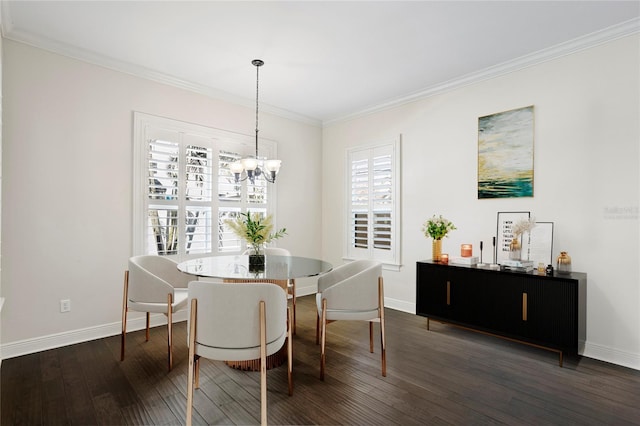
256	230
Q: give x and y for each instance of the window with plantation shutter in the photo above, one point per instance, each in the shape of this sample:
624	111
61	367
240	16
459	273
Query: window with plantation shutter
184	190
374	203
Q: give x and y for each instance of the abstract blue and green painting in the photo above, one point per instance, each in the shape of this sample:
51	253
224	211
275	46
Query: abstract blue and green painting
505	154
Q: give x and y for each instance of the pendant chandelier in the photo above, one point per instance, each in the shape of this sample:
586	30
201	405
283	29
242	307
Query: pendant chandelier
250	166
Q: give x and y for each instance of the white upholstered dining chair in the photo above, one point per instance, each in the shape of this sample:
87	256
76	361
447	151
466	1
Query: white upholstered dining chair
153	284
237	322
353	291
289	284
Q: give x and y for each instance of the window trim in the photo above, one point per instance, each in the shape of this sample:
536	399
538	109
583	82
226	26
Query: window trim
395	261
143	125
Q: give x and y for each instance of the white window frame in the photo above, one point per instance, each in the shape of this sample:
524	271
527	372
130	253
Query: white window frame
365	154
147	127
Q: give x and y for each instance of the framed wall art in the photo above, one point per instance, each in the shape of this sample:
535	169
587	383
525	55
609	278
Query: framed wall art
505	154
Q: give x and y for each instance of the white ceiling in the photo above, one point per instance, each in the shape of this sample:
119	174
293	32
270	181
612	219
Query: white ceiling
323	60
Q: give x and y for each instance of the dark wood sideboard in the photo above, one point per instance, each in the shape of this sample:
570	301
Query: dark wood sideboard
548	312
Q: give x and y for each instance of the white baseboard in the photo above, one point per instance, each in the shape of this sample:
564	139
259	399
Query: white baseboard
394	304
400	305
52	341
613	356
38	344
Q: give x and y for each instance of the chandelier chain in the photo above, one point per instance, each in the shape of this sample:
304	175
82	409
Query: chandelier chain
257	93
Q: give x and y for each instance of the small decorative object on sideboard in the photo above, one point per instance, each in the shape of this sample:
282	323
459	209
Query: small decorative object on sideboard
436	250
466	250
549	270
437	228
444	259
517	265
515	249
521	227
563	263
541	269
468	261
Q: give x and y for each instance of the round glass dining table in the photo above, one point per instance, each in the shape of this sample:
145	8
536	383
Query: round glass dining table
236	267
279	270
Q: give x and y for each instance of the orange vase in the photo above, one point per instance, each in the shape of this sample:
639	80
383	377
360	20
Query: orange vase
436	250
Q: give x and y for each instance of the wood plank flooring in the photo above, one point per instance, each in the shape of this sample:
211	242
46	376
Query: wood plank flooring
446	376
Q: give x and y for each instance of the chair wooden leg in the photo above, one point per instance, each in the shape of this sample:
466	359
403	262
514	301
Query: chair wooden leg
323	336
148	324
170	329
370	336
383	342
290	354
384	348
125	297
263	364
192	348
197	363
317	329
293	302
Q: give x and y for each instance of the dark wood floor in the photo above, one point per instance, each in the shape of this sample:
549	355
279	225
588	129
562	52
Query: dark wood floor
443	376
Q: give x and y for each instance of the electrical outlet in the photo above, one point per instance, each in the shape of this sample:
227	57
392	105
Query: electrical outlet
65	305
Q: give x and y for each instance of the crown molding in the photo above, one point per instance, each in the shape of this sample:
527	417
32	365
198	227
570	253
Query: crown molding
11	33
560	50
563	49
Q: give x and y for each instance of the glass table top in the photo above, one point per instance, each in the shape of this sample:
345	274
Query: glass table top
237	267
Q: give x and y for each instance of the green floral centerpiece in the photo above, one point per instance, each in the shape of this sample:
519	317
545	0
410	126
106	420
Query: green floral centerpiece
437	228
255	230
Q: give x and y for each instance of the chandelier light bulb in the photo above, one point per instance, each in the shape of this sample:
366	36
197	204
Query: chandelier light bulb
272	165
249	163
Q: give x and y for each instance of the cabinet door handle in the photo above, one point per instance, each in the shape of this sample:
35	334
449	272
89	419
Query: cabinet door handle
524	306
448	293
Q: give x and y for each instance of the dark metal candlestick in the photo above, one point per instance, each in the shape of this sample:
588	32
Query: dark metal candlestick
494	250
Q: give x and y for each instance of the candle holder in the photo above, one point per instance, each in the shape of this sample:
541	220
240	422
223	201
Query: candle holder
444	258
466	250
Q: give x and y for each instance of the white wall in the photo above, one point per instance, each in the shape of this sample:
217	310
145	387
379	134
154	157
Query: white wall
587	133
67	199
1	298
